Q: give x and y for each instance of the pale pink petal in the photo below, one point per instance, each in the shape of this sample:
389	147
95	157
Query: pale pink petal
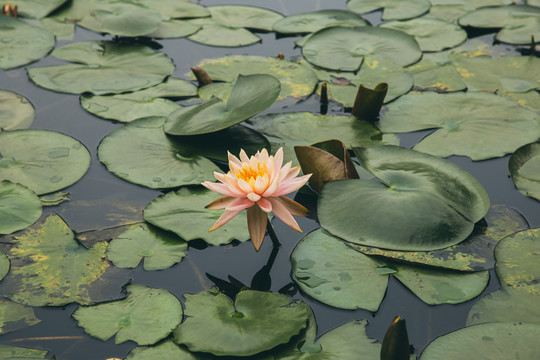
292	173
265	205
278	158
219	176
222	189
221	203
244	186
283	213
225	218
233	159
232	183
264	156
234	168
291	185
243	156
240	204
273	186
284	171
257	220
260	184
253	197
293	207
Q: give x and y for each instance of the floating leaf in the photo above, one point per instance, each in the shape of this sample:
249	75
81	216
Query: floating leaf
4	265
141	153
37	9
250	95
54	199
146	316
393	9
50	268
437	77
257	321
158	248
174	9
165	351
175	29
453	9
524	166
103	67
313	21
44	161
478	125
22	43
14	316
491	341
344	48
19	207
16	112
8	352
183	213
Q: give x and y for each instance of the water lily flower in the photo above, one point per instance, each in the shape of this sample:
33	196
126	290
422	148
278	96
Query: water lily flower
258	184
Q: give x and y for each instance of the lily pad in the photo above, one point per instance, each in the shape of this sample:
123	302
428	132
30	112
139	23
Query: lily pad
518	22
8	352
164	351
14	316
19	207
50	268
478	125
37	9
159	249
423	203
141	153
312	21
431	34
174	28
297	80
16	112
174	9
22	43
146	316
183	213
524	166
44	161
518	260
491	341
4	265
451	10
103	67
392	9
143	103
433	76
257	321
344	48
250	95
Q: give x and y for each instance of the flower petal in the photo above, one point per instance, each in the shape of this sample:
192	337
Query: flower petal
273	186
244	186
283	213
292	173
221	203
225	218
222	189
278	158
293	207
243	156
233	159
291	185
240	204
265	205
253	197
257	220
260	184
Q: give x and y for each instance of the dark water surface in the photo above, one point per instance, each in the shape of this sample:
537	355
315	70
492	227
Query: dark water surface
101	200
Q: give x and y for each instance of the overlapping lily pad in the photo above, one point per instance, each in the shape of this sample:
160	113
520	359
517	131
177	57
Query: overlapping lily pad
524	166
15	316
344	48
518	22
478	125
103	67
37	9
22	43
174	28
393	9
183	213
164	351
451	10
50	268
8	352
313	21
4	265
146	316
257	321
19	207
174	9
166	162
16	112
44	161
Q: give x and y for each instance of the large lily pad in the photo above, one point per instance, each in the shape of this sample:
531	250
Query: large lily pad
524	166
434	76
103	67
22	43
19	207
491	341
250	95
423	202
478	125
8	352
257	321
316	20
143	103
297	80
146	316
158	248
15	316
393	9
451	10
183	213
37	9
518	22
174	28
50	268
165	351
175	9
16	112
344	48
141	153
44	161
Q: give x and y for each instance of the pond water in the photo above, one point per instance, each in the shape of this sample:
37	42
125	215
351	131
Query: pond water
101	200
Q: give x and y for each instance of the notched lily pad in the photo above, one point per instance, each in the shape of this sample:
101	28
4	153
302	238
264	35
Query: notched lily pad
8	352
164	351
315	20
392	9
15	316
524	166
16	112
19	207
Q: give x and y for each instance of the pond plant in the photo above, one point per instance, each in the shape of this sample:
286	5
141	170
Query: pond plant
402	133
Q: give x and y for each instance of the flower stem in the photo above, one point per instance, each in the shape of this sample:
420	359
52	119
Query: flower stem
272	234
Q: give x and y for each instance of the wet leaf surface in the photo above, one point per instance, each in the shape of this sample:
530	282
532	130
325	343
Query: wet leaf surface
313	21
19	207
14	317
16	112
392	9
524	166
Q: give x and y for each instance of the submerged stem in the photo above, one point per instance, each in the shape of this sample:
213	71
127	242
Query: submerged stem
272	234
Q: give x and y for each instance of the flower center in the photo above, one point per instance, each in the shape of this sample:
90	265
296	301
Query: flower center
249	173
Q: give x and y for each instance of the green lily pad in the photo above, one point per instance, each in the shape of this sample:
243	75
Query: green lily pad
257	321
478	125
183	213
54	199
22	43
297	80
423	202
312	21
16	112
518	22
44	161
19	207
50	268
491	341
431	34
4	265
393	9
8	352
524	166
344	48
214	34
518	260
174	28
451	10
250	95
146	316
159	249
165	351
141	153
15	316
174	9
506	305
143	103
433	76
529	99
37	9
103	67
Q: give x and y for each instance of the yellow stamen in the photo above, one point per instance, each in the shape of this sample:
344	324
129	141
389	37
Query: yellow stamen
250	174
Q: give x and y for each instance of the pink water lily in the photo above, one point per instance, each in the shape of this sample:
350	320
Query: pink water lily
258	180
